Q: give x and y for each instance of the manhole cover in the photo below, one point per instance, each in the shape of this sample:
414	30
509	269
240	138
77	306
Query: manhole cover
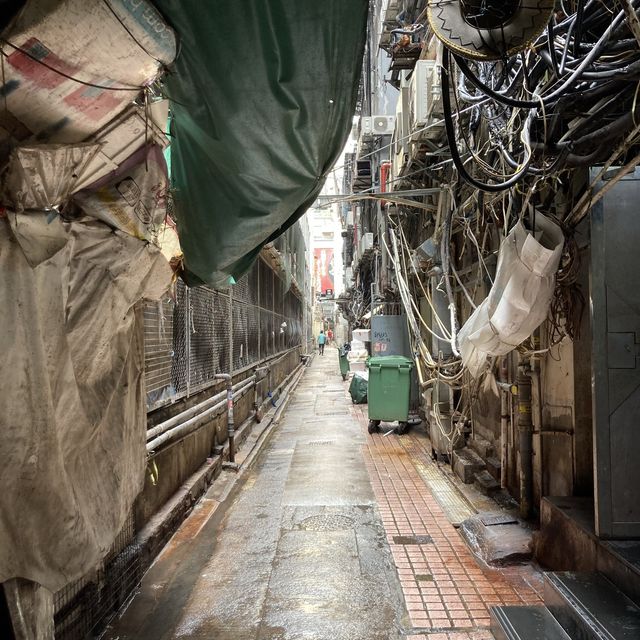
490	521
412	540
327	522
318	443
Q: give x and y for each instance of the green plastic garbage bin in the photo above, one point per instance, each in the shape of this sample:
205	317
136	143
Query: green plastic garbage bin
389	391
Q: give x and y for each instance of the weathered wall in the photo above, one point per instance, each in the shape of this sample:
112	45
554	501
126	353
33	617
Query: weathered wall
175	463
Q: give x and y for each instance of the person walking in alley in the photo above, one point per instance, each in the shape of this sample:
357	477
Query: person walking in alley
321	341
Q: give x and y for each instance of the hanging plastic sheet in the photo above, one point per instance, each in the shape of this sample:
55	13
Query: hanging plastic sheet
262	100
520	296
74	419
41	177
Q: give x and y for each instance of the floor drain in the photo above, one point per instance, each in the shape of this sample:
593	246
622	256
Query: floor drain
492	521
318	443
412	540
327	522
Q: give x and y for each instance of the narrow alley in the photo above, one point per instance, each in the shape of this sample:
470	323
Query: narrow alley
329	533
196	198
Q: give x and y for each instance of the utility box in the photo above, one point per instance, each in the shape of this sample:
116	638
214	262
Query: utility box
389	335
389	391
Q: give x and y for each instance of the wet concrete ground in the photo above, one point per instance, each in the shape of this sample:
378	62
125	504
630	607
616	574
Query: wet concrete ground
331	534
301	551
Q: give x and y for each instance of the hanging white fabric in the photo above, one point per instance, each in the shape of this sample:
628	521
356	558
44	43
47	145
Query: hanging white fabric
520	297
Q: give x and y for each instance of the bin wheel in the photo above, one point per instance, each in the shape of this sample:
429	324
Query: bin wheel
403	427
344	376
374	425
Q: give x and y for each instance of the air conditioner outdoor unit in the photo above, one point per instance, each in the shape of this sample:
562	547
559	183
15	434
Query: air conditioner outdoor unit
378	125
366	243
348	275
349	218
425	101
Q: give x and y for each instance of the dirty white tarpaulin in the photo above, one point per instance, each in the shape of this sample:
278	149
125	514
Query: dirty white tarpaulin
42	176
134	197
520	296
73	422
71	66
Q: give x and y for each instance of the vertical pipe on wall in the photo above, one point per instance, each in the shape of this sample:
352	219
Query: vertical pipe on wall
230	420
525	436
505	415
187	333
230	369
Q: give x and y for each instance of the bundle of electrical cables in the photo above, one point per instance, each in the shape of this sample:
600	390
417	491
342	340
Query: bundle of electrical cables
563	102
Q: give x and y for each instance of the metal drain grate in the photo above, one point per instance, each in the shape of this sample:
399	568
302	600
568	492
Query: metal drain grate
492	521
319	443
412	540
327	522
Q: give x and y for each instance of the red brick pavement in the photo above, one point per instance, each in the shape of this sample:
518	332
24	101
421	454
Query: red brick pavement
447	591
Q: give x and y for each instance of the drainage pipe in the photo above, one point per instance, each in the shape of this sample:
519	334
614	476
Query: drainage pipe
230	423
504	418
184	428
525	433
183	416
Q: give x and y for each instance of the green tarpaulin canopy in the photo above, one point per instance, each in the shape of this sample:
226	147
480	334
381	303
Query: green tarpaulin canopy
262	98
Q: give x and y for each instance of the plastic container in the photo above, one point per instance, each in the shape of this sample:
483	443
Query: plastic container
358	388
389	391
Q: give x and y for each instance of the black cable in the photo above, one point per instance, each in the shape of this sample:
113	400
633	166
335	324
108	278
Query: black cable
66	75
451	137
124	26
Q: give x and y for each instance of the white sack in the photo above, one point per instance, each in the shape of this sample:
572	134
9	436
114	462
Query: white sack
519	299
133	198
119	46
73	420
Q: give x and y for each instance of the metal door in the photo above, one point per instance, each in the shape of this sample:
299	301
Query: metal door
615	308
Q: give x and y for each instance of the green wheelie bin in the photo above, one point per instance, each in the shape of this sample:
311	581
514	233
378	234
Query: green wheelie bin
389	391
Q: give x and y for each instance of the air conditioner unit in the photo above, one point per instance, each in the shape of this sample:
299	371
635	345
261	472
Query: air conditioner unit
366	243
425	102
349	218
378	125
348	276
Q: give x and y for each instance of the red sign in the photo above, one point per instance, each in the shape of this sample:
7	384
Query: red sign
323	270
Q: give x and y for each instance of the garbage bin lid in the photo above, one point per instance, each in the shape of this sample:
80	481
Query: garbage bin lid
390	361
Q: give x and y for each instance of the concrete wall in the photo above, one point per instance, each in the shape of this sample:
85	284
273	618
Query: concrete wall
178	461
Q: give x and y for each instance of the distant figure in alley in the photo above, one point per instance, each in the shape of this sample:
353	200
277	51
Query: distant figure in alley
321	342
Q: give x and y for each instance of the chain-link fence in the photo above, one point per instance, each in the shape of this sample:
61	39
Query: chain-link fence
195	333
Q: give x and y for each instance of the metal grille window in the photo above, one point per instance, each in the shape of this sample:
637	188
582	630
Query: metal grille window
194	333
